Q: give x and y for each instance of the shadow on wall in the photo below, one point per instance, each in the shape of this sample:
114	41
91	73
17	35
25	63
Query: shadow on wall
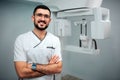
69	77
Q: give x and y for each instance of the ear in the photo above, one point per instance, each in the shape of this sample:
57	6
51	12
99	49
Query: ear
33	18
50	20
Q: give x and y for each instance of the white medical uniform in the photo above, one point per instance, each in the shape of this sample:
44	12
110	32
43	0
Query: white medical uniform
29	48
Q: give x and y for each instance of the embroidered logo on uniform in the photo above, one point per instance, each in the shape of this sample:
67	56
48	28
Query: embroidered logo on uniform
51	47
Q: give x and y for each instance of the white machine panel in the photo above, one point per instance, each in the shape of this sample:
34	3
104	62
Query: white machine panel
62	27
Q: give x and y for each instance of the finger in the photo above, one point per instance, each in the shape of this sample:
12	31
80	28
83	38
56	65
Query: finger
54	59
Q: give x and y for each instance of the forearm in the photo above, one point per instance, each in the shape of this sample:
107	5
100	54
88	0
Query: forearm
24	70
28	73
50	68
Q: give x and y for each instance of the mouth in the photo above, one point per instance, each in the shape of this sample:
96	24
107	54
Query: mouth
42	22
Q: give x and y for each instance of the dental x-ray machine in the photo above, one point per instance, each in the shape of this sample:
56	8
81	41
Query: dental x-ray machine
100	26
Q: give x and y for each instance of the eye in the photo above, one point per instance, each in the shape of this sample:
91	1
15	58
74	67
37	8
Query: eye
42	15
46	16
39	15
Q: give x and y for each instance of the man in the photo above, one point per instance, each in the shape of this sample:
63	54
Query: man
37	53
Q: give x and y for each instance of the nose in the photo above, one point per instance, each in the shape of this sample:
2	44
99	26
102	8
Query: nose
42	18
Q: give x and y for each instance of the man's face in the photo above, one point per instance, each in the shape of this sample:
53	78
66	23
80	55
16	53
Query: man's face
41	19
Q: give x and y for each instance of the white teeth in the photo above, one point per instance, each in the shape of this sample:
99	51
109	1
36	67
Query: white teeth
41	23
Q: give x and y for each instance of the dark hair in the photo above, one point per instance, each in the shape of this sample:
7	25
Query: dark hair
41	7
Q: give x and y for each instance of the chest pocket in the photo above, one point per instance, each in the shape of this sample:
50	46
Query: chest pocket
39	55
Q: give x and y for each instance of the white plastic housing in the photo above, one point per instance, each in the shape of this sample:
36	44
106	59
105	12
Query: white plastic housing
101	26
68	4
100	30
62	27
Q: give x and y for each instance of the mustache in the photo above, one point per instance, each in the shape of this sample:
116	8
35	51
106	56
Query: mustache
42	21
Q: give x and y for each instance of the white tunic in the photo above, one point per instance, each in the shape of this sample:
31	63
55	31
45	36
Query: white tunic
28	47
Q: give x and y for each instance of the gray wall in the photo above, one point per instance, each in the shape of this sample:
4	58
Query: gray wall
106	65
15	18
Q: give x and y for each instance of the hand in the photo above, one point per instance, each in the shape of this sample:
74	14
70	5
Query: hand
54	59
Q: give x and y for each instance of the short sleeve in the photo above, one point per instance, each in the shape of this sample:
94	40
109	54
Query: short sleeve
19	53
58	49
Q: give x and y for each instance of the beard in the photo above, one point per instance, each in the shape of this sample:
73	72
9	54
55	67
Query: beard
39	28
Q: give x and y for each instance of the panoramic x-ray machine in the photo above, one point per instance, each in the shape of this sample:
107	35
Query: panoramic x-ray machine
100	25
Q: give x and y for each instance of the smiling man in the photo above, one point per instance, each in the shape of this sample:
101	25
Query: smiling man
37	53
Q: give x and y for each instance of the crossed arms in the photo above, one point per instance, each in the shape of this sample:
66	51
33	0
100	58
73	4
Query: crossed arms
24	70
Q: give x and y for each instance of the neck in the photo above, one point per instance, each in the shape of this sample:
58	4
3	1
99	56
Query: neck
40	34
